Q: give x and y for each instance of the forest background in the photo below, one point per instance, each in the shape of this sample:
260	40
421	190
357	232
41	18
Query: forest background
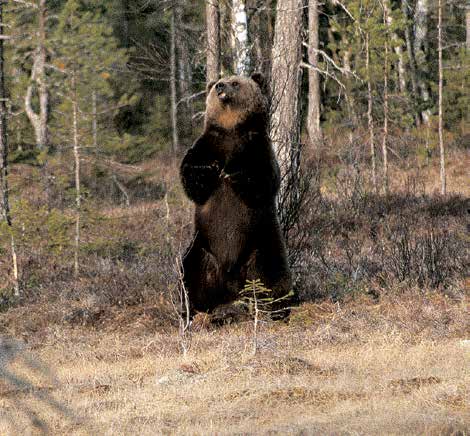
370	121
101	101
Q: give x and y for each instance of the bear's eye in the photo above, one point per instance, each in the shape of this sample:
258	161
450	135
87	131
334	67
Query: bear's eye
235	84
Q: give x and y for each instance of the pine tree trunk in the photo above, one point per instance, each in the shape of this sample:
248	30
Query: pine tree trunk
441	133
213	40
313	121
76	153
385	110
285	84
370	121
173	96
420	45
39	121
261	33
240	42
5	214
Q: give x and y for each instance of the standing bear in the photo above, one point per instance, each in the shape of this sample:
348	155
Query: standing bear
232	176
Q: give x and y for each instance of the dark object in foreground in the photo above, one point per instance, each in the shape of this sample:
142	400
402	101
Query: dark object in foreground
232	176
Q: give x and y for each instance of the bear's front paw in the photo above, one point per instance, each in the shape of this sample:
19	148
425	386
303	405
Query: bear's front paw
235	178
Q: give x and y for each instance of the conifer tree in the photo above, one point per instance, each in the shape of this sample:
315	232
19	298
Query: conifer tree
86	57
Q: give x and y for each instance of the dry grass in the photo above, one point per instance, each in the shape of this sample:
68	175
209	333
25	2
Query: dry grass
399	366
80	361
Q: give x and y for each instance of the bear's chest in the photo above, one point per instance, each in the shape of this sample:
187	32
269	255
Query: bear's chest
225	222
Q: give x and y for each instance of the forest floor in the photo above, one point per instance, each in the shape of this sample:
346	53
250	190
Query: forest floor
400	365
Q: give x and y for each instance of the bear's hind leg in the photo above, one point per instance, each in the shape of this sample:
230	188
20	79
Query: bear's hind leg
201	278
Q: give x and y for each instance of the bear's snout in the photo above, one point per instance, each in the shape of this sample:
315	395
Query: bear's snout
222	90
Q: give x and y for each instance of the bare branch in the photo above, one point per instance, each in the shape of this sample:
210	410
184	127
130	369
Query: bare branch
324	72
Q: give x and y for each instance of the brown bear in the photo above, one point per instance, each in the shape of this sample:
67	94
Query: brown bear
232	176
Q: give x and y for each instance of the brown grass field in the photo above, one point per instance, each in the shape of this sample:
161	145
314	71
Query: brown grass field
397	366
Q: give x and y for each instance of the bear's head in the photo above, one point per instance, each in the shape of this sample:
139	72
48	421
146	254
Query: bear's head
231	100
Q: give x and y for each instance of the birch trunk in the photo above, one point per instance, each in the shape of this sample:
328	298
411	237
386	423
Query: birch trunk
441	133
349	96
420	47
313	121
398	49
5	215
411	58
240	42
173	96
213	40
39	120
285	84
370	121
78	198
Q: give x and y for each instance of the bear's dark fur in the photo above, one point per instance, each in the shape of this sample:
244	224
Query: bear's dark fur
232	176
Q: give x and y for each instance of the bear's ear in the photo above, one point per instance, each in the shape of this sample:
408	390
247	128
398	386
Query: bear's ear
260	80
210	85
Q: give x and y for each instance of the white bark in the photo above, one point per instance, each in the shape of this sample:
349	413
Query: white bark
240	41
441	133
38	82
213	40
313	121
421	16
411	58
76	153
398	49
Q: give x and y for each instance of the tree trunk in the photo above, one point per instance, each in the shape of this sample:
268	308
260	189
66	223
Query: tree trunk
173	96
240	42
348	94
76	153
467	27
184	74
5	215
94	121
385	110
213	40
285	84
411	59
370	121
420	48
313	121
441	133
261	33
39	121
398	49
